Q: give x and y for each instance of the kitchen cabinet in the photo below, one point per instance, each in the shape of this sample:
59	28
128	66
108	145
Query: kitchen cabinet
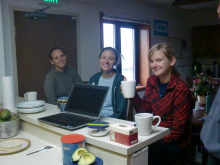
206	41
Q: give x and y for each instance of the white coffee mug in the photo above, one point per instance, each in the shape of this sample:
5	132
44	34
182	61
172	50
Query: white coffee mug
128	88
144	123
30	96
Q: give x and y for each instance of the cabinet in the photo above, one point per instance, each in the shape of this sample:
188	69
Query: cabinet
206	41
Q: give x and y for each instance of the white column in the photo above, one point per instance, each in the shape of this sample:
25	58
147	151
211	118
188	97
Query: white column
2	57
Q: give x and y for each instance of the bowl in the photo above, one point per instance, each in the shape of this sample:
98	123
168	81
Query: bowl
9	128
98	128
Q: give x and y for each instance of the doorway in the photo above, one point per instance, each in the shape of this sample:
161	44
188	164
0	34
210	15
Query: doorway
34	38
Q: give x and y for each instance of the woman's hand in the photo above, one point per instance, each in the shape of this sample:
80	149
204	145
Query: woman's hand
125	79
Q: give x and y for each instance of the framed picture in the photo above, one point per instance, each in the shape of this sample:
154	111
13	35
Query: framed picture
176	45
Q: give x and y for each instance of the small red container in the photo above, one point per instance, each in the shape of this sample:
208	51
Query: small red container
124	134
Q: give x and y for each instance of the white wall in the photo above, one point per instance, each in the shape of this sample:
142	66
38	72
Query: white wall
89	29
2	63
88	34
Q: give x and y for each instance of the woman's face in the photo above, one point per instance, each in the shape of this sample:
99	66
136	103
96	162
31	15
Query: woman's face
161	65
58	59
107	60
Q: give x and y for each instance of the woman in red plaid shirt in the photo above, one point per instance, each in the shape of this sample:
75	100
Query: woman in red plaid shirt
167	96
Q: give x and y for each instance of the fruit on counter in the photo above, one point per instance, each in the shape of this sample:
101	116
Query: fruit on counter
5	114
87	158
13	117
78	153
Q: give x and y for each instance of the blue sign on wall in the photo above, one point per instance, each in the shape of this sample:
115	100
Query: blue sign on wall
160	28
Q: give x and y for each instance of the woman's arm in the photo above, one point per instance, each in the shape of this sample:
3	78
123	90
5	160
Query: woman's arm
120	105
141	105
49	90
182	115
77	78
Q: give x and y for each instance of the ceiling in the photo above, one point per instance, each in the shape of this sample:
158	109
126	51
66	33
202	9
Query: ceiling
186	4
182	4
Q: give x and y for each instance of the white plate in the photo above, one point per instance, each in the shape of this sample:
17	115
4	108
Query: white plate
30	104
31	110
25	144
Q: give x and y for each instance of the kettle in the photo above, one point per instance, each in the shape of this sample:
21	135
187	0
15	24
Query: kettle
216	68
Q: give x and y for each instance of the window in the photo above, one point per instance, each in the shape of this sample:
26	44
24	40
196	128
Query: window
132	41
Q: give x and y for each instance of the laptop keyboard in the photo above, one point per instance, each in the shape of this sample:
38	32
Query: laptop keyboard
69	119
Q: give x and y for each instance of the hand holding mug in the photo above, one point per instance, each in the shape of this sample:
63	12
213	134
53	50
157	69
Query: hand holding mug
128	88
125	79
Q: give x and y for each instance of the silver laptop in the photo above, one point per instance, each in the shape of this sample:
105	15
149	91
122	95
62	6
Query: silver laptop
83	106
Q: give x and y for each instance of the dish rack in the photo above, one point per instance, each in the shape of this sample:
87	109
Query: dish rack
9	128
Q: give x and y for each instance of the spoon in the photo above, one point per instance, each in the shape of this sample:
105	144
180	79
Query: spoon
45	148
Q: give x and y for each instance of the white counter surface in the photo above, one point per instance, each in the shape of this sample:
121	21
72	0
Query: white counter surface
53	156
43	134
103	142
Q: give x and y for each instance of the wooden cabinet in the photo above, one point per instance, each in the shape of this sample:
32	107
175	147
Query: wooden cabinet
206	41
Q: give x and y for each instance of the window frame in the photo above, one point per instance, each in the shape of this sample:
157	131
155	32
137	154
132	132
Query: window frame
141	78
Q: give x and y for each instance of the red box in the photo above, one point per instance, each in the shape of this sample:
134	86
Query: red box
124	134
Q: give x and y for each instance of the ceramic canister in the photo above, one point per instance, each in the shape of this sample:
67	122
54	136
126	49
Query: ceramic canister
69	144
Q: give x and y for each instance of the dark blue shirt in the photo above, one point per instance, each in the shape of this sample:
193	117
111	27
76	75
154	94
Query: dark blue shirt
163	88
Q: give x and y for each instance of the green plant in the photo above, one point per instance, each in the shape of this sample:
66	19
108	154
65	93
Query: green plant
203	84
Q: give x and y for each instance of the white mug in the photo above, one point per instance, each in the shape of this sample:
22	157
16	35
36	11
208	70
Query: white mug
30	96
144	123
128	88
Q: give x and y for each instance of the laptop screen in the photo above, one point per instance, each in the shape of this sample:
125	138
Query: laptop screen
86	99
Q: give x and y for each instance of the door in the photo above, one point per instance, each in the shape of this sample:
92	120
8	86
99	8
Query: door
34	39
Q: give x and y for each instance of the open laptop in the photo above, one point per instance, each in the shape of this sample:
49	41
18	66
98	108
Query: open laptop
83	106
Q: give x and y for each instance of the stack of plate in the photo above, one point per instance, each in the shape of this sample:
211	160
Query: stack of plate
31	106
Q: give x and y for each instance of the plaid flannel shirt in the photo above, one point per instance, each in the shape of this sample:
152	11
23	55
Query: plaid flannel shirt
174	108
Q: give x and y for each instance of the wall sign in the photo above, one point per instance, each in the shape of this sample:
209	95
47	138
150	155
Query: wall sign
49	2
160	28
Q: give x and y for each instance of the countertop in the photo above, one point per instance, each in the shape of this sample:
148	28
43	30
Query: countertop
53	156
103	142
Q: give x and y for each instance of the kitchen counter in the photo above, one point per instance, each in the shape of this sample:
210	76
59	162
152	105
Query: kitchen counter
53	156
110	152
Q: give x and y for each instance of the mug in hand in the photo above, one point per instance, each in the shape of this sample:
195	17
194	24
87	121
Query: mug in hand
144	123
128	88
30	96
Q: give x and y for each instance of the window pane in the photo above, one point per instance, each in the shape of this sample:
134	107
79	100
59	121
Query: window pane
127	50
108	35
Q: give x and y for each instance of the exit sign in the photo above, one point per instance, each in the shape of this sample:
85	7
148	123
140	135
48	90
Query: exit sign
50	2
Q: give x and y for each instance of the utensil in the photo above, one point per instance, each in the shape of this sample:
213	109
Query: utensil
45	148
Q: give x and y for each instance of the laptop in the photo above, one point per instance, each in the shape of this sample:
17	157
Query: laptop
83	106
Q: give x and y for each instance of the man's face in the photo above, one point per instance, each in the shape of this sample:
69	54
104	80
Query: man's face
218	11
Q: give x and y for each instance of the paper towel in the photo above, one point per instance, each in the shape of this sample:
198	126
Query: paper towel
197	105
8	94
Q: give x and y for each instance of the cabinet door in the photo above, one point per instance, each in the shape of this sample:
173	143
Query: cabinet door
199	46
206	41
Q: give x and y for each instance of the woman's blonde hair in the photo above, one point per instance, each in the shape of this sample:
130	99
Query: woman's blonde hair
167	51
